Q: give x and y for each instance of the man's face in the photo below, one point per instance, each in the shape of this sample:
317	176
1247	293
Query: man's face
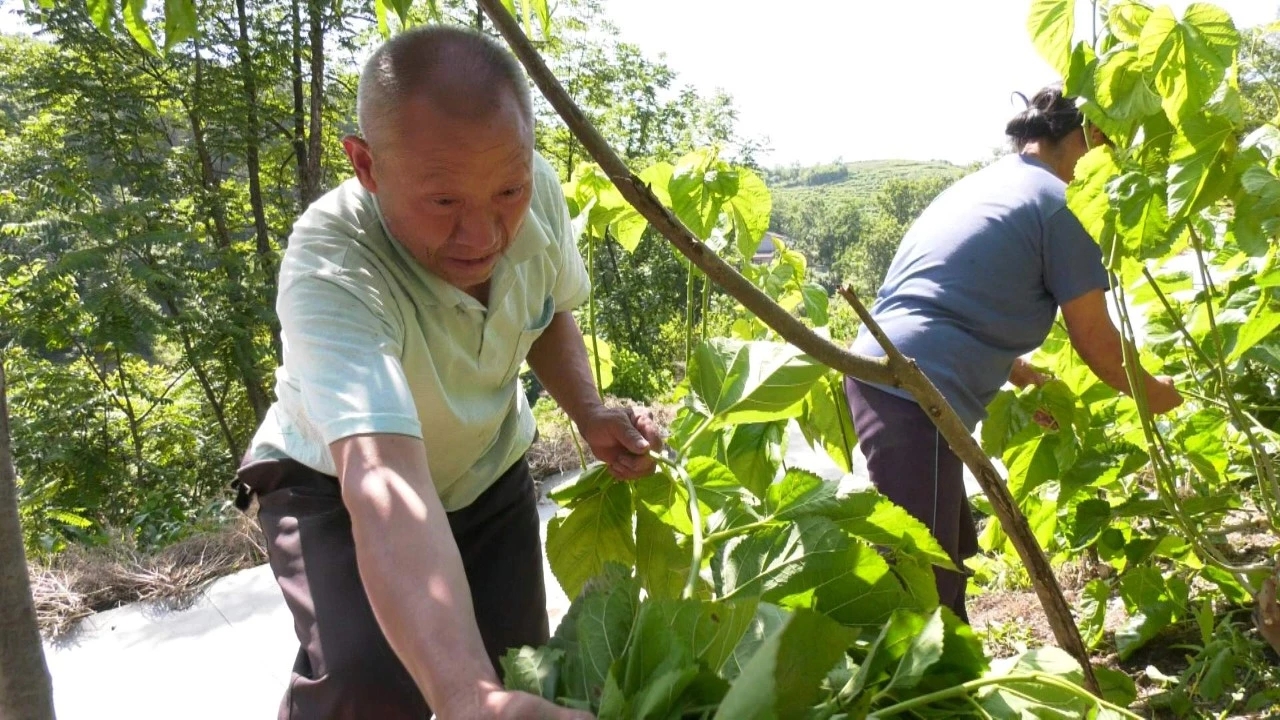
454	192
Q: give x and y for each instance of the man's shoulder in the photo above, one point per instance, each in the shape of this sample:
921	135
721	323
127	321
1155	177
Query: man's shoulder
340	233
347	210
548	199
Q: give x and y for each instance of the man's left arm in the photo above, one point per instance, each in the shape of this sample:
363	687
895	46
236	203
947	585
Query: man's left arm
620	437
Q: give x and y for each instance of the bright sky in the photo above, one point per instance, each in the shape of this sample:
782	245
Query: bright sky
861	79
854	79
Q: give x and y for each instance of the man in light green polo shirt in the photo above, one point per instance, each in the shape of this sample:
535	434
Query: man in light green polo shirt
390	476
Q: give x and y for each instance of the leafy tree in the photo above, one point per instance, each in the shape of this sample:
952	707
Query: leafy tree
822	226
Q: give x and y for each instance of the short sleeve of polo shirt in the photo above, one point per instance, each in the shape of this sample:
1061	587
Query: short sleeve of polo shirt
1072	260
572	286
342	348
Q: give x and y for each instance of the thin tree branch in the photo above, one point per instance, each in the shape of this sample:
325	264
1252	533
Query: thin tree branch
900	372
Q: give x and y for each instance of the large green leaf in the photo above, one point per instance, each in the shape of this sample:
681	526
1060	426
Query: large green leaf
1262	322
179	22
596	345
1201	440
710	630
658	664
882	658
136	24
750	206
1142	220
1190	57
800	493
594	633
1031	464
873	517
924	651
1005	417
755	454
720	496
782	678
1031	699
1151	608
768	620
1089	519
812	564
1121	87
629	225
1088	199
1093	611
815	303
661	564
596	531
1256	221
746	382
1199	161
698	191
919	654
1052	27
101	12
1126	20
826	420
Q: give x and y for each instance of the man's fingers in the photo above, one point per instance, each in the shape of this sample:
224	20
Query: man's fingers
630	435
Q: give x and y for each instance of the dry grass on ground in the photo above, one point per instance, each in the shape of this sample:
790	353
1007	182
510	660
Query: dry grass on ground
81	581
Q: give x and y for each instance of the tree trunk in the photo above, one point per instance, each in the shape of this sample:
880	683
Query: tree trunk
135	428
252	132
315	149
25	688
242	344
299	111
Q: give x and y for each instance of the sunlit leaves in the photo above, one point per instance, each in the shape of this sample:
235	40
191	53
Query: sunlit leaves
1189	56
783	676
1142	220
1122	88
751	206
179	21
826	421
101	12
136	24
598	531
1126	20
1199	163
1052	26
1088	199
751	382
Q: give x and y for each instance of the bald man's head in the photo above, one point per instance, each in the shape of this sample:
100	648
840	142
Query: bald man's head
459	72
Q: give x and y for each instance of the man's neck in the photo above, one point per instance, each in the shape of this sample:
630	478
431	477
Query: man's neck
480	292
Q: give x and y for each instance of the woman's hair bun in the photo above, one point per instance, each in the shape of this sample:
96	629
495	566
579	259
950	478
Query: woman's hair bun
1049	115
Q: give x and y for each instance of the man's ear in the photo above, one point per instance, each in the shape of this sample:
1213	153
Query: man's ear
361	157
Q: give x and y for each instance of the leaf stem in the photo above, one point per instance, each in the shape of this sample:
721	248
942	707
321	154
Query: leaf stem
1261	460
695	517
966	688
591	309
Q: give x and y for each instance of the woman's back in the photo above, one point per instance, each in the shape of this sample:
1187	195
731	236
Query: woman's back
979	277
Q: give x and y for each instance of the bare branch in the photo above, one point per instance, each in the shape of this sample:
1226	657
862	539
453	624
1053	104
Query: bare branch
895	370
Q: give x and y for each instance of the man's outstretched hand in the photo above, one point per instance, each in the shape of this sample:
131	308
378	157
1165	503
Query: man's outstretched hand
622	439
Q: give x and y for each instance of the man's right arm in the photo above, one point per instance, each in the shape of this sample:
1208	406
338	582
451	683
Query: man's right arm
1099	344
412	573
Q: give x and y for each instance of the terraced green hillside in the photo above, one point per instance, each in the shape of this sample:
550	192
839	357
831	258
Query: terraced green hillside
855	179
